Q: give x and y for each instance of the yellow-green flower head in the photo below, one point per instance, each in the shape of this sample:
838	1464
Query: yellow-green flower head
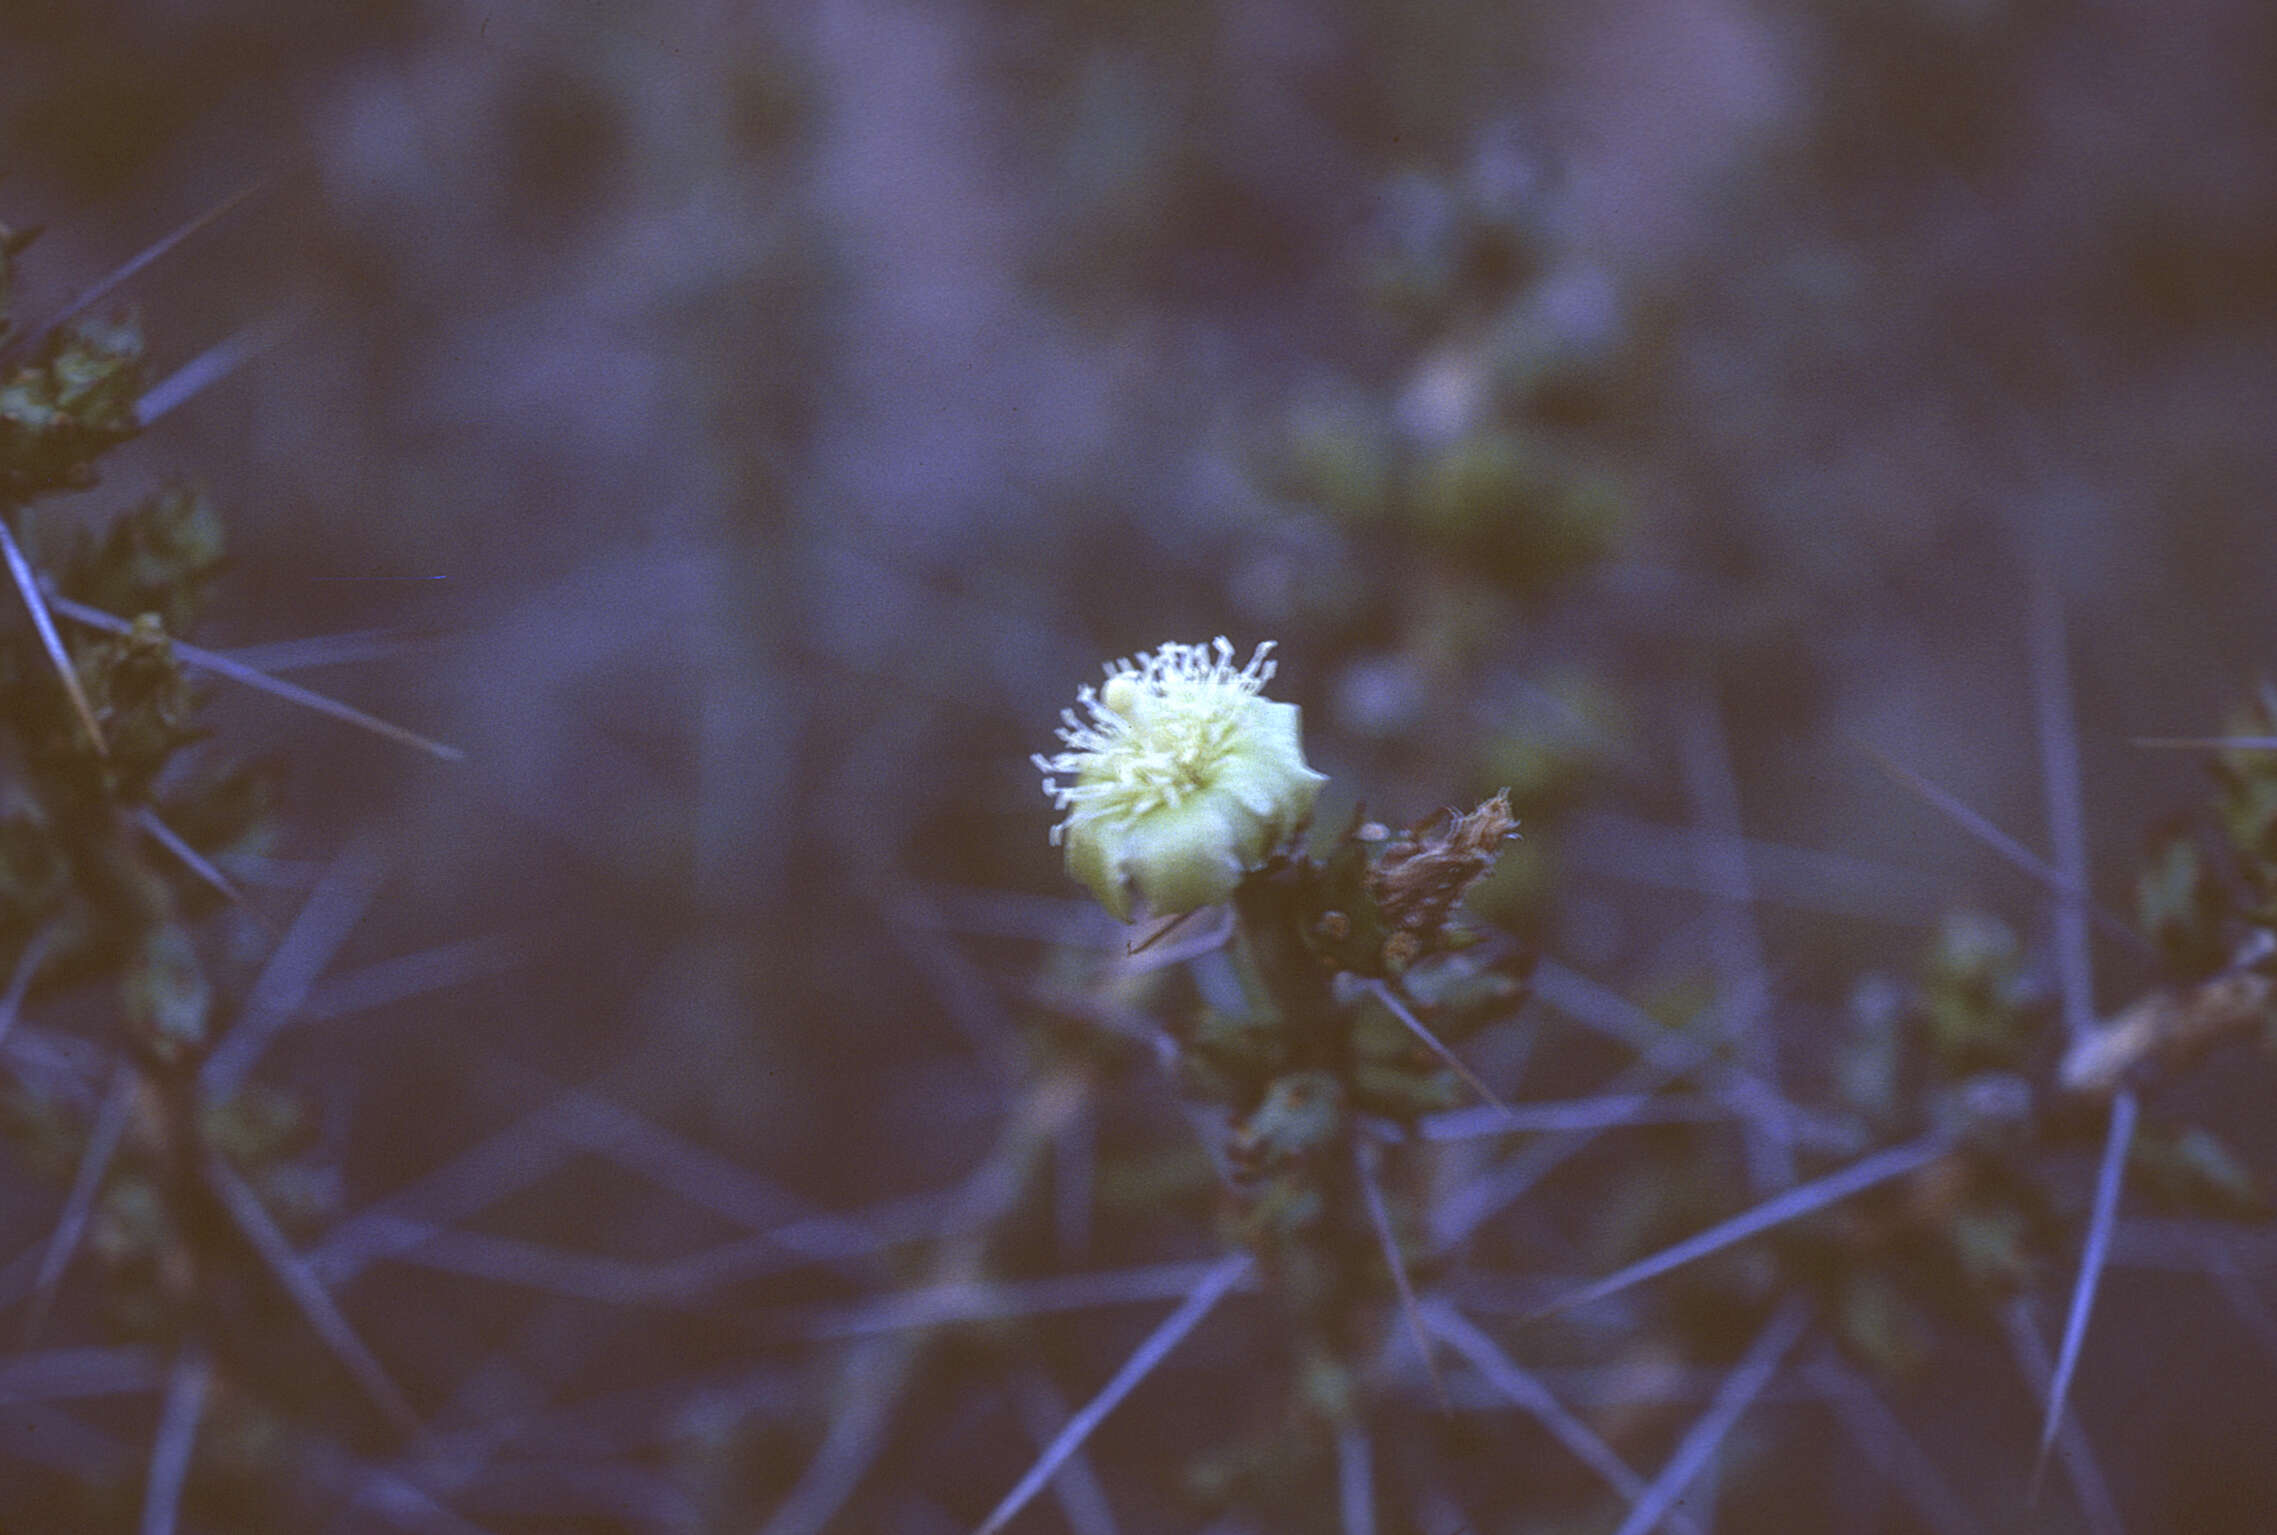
1184	777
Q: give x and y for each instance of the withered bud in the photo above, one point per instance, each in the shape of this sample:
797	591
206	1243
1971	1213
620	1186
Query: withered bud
2173	1026
1420	877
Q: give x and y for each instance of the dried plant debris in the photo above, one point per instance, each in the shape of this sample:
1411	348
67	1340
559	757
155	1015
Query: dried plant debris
1420	878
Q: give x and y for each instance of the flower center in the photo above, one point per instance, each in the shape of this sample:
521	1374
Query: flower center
1160	730
1173	749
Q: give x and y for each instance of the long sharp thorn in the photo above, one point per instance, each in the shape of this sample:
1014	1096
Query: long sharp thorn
1796	1202
2059	776
1414	1025
2206	743
189	857
2059	761
935	1305
1082	1502
876	1377
404	1504
2087	1483
62	1374
110	282
1877	1431
210	367
2108	1179
308	1295
510	1160
1479	1200
327	917
1743	978
1365	1160
1610	1111
339	648
20	981
2014	852
1142	1362
177	1435
1677	1051
1531	1396
387	982
1733	1397
28	583
237	671
1356	1480
1145	956
193	378
102	1144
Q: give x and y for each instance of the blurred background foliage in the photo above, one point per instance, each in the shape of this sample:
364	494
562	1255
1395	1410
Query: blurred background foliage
739	428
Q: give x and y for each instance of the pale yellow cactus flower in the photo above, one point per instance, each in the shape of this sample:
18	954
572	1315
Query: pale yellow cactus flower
1182	780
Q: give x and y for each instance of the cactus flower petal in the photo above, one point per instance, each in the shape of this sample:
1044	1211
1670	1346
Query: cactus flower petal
1181	781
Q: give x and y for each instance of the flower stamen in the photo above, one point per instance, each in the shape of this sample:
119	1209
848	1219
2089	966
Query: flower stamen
1176	757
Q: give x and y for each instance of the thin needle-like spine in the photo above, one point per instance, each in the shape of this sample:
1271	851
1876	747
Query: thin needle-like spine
1355	1480
2059	764
126	271
308	1295
237	671
210	367
954	1301
1531	1396
1608	1111
1414	1025
102	1145
2009	849
36	601
2087	1484
189	857
1743	975
1479	1200
177	1436
1877	1431
326	918
2110	1176
2059	775
1733	1398
2206	743
876	1377
1365	1161
61	1374
20	979
1599	1008
1082	1502
1801	1200
1143	1359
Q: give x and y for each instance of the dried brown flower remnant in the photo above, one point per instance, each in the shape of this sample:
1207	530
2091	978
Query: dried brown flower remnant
2167	1025
1419	878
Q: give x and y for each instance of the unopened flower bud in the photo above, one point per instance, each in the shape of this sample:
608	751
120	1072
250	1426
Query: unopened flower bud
1182	780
